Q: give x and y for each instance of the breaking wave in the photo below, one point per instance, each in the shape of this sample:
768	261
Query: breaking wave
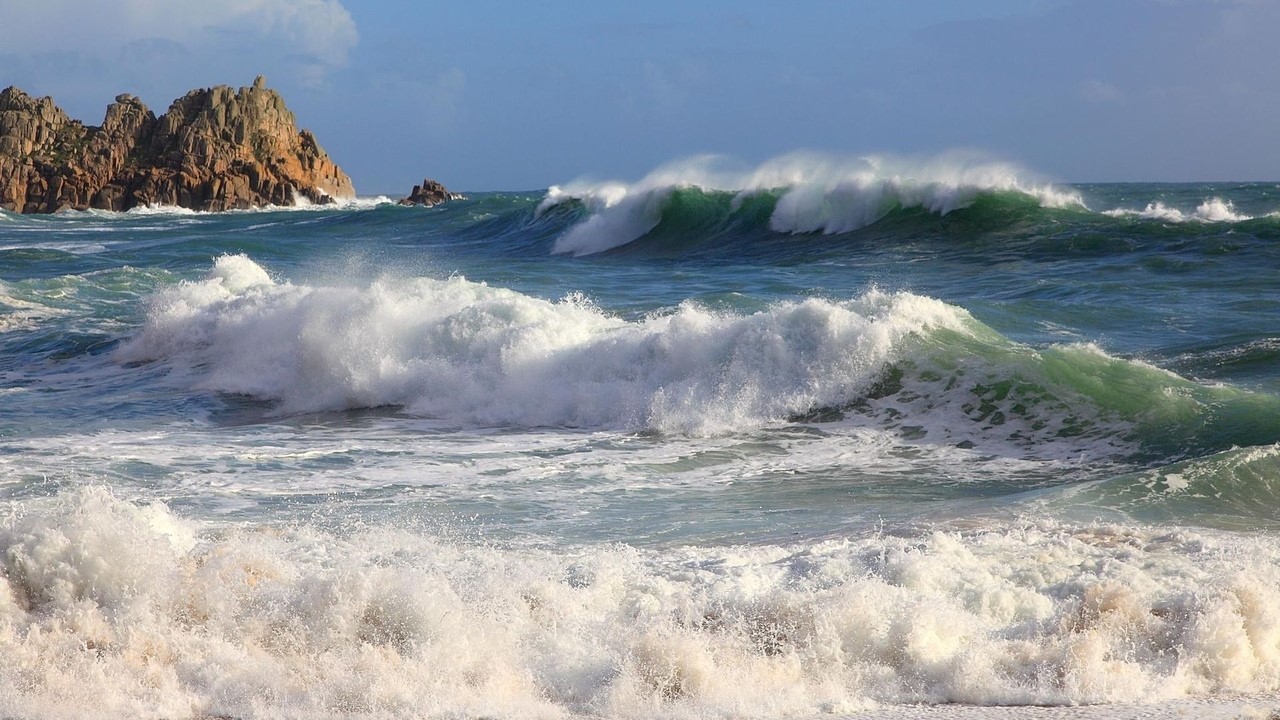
809	193
709	204
465	352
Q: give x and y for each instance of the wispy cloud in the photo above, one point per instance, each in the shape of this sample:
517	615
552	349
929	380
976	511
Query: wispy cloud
321	31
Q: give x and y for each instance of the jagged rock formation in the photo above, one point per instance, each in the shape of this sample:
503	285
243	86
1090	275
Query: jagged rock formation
215	149
429	193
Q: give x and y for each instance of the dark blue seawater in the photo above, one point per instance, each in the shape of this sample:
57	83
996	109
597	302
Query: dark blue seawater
808	439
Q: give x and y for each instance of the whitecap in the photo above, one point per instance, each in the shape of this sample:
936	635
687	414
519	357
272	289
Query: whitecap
1212	210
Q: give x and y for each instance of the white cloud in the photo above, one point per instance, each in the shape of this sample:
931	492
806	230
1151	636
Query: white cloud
321	30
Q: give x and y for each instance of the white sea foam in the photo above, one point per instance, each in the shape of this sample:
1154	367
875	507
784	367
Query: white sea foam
821	194
352	203
301	204
18	312
461	350
1211	210
148	210
540	486
71	247
132	610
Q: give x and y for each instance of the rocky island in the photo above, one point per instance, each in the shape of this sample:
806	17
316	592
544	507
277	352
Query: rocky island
214	149
429	194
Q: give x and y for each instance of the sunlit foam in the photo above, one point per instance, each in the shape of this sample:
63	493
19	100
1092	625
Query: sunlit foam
131	609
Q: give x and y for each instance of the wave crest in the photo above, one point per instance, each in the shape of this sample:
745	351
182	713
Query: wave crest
815	193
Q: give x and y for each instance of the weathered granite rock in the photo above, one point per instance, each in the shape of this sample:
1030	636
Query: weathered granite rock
215	149
430	193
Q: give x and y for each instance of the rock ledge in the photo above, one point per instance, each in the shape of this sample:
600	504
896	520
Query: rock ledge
215	149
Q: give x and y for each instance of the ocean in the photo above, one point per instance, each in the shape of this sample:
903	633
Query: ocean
820	437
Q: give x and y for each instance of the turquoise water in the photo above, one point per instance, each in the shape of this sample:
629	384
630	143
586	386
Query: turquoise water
854	436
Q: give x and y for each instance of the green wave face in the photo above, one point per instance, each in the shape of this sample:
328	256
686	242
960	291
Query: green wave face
976	388
690	220
1236	489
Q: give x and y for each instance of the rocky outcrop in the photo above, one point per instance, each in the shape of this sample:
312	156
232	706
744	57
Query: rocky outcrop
429	193
215	149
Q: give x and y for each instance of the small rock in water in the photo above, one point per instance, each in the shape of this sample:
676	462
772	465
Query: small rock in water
429	193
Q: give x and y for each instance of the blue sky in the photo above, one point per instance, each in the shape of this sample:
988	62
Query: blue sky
483	94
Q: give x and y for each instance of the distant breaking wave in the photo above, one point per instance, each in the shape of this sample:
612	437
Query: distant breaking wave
703	201
1211	210
814	194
